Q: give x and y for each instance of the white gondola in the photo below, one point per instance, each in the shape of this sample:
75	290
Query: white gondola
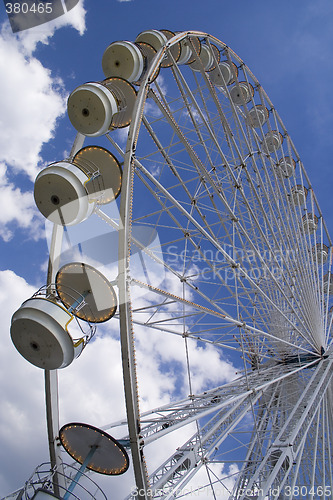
154	38
328	283
272	141
174	51
97	107
298	194
60	193
310	223
257	116
190	48
91	108
224	74
204	60
286	166
241	93
130	60
39	331
186	52
207	59
320	253
123	59
67	192
39	328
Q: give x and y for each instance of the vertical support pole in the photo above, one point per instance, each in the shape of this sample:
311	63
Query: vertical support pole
51	377
52	414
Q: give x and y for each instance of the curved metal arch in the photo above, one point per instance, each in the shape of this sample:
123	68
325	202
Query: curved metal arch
126	331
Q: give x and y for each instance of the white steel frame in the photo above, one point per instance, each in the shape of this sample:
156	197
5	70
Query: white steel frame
221	191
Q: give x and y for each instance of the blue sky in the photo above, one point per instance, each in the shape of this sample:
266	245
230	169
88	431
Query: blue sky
287	45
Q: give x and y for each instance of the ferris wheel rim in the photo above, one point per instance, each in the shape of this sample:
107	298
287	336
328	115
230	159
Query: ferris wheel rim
131	144
124	294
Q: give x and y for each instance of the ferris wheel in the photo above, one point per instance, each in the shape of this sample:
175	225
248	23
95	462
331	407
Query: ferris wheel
224	260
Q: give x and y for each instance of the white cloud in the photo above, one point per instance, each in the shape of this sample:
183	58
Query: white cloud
122	135
16	207
167	355
21	394
163	88
31	103
75	18
83	396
